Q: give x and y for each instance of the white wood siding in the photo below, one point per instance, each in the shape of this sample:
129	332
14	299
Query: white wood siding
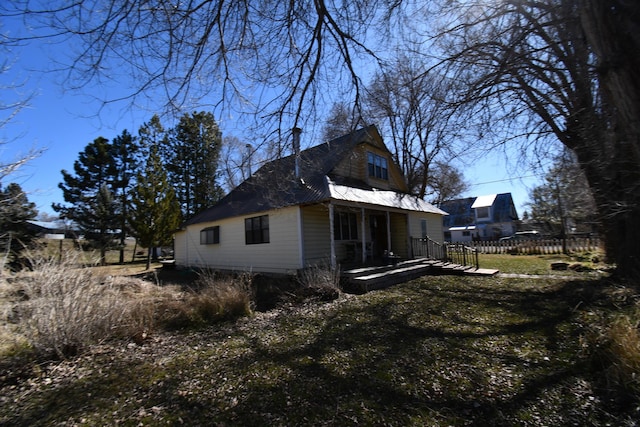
399	238
434	225
280	255
317	245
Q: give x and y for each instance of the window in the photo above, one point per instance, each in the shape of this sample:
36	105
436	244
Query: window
423	228
377	166
345	226
483	212
256	230
210	235
466	233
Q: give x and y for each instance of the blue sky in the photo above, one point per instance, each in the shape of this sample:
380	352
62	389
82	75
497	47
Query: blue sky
63	123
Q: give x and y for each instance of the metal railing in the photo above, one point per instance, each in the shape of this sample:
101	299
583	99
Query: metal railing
457	253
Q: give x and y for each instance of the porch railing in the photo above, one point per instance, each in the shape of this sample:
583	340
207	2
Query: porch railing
457	253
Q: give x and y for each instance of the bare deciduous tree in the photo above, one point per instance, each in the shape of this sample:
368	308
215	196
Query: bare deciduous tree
411	103
341	121
271	55
13	101
537	71
532	76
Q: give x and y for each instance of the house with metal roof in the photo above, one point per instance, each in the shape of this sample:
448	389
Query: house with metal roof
480	218
343	201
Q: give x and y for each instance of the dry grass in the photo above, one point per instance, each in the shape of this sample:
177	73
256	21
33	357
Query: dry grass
435	351
212	299
613	342
61	308
67	309
320	281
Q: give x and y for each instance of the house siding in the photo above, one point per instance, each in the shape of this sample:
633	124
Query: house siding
280	255
315	226
434	225
399	238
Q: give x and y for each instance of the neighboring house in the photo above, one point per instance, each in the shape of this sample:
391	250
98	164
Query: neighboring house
57	229
343	201
480	218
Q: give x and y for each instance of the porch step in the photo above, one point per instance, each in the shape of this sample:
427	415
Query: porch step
370	278
364	271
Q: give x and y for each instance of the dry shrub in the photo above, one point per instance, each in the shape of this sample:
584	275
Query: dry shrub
213	299
613	343
623	349
69	308
320	281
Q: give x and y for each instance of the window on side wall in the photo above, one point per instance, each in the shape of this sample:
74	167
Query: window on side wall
423	228
210	235
482	212
256	230
377	166
345	226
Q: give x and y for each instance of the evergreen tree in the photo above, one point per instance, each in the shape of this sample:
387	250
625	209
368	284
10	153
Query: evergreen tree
192	162
125	151
15	234
150	134
88	194
156	212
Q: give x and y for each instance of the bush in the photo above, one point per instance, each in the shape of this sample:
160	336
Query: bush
623	349
213	299
70	308
614	344
320	281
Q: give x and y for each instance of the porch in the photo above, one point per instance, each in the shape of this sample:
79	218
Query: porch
429	258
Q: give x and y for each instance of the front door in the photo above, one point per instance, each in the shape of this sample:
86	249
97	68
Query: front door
378	226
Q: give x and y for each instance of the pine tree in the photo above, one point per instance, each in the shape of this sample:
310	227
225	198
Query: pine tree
156	212
192	162
88	194
125	151
15	234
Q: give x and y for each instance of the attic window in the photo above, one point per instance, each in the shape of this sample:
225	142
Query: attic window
377	166
210	235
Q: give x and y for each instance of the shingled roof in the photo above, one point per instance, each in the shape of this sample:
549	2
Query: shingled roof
275	185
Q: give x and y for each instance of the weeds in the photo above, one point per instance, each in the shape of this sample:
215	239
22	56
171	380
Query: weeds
614	343
69	308
321	281
62	309
213	299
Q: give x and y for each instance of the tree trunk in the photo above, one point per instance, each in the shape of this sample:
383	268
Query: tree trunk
148	259
612	30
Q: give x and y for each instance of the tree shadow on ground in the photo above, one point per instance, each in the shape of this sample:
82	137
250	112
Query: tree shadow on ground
432	352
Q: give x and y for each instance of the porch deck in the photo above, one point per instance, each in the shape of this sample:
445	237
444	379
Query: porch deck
364	279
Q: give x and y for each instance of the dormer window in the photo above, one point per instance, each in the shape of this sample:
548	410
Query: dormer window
377	166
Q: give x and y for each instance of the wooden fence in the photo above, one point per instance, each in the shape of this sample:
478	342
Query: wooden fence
536	247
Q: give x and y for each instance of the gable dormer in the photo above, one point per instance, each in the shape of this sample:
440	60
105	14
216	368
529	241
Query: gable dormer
370	162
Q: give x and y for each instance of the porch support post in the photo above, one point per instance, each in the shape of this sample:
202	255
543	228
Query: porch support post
388	232
364	243
332	237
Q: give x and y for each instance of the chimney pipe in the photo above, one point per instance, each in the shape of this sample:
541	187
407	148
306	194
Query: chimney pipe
296	149
247	159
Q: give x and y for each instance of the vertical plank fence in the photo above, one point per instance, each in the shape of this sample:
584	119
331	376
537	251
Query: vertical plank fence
536	247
